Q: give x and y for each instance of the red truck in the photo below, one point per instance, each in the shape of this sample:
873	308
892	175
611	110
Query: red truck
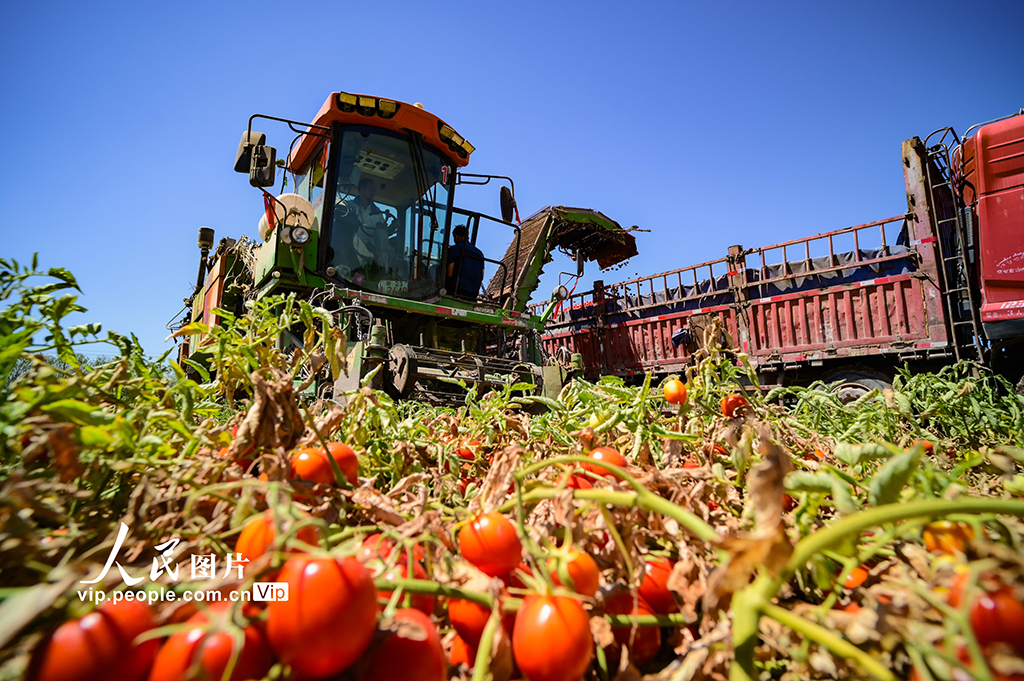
942	282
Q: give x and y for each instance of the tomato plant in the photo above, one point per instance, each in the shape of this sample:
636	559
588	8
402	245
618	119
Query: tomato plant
414	652
490	542
654	587
209	645
552	640
329	618
675	391
97	646
259	534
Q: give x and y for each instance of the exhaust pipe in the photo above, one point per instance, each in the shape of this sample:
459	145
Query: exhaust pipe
205	244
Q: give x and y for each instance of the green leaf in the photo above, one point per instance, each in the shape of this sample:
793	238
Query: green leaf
63	275
805	481
889	481
193	329
95	436
852	455
78	412
200	369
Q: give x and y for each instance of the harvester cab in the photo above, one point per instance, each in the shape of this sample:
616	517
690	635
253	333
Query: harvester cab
368	227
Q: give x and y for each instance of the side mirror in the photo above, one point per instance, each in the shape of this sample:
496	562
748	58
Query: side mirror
580	260
508	204
257	159
243	159
560	293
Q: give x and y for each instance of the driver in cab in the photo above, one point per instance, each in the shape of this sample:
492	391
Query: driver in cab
370	242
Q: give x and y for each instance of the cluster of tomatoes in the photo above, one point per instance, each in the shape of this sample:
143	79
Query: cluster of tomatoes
550	633
732	405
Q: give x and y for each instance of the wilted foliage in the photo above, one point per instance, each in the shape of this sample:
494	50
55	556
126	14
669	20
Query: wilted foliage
801	533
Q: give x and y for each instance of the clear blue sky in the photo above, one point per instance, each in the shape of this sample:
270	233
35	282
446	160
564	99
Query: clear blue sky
708	124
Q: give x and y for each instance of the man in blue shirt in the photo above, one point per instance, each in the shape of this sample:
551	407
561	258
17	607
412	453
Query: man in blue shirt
465	265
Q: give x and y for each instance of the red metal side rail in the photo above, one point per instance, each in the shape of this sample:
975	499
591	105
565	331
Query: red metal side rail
875	306
809	302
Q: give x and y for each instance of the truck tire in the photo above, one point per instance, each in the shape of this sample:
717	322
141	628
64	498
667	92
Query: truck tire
850	386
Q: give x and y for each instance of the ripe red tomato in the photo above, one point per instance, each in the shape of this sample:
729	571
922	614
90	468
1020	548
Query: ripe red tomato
577	482
490	542
312	463
97	646
856	577
945	536
999	617
552	640
415	658
608	455
956	590
468	619
647	640
675	391
789	503
258	536
732	403
329	618
654	587
462	653
586	578
467	451
376	546
211	647
501	660
929	448
422	602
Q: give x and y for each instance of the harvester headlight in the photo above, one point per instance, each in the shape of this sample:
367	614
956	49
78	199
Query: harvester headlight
347	102
300	235
387	108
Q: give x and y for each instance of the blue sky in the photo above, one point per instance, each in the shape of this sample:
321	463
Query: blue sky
708	124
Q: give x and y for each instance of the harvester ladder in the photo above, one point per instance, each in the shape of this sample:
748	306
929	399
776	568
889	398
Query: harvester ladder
958	293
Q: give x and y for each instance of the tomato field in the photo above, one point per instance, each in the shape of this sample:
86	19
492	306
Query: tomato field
686	529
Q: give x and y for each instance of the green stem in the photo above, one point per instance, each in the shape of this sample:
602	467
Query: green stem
826	639
482	663
674	620
858	522
424	586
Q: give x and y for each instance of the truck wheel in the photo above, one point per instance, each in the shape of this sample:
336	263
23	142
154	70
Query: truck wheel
850	386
